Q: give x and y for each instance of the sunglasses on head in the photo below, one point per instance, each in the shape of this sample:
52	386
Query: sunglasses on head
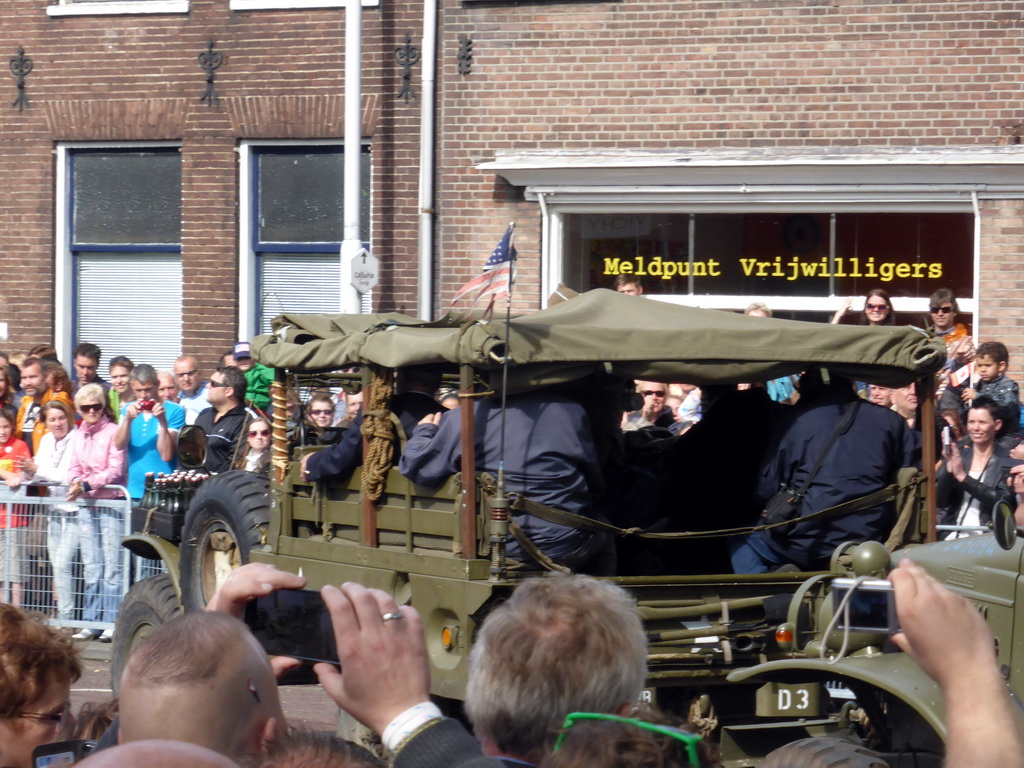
941	310
655	392
689	739
259	433
91	407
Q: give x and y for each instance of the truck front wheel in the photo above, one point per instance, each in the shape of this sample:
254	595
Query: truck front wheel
226	520
823	753
149	605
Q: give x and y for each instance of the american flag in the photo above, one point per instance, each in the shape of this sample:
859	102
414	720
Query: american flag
498	273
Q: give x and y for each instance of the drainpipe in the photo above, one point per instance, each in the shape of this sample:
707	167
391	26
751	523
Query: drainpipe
977	264
425	291
352	245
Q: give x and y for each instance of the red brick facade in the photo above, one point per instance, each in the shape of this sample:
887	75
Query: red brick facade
628	76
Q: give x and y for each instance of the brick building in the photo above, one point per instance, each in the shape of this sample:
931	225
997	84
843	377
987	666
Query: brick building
788	151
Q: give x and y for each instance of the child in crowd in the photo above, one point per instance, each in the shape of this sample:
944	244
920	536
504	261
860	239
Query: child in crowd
990	364
13	521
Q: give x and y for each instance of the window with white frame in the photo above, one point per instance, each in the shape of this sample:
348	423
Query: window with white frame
266	5
115	7
120	233
292	228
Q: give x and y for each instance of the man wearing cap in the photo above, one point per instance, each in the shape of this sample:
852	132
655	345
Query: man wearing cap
257	376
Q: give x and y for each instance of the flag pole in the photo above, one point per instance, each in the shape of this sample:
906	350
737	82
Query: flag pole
504	363
500	520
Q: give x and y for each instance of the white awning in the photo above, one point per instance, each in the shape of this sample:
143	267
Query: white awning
927	176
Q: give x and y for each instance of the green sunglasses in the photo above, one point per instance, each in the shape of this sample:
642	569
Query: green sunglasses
689	739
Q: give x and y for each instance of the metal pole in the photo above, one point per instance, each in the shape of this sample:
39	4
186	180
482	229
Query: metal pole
467	505
352	243
926	397
425	289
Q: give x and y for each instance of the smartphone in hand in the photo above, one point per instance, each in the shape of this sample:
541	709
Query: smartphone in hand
293	622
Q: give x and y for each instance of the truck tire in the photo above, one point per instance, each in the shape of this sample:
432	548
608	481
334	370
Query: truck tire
225	521
149	605
823	753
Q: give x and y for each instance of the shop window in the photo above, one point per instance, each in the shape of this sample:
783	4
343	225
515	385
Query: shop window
758	255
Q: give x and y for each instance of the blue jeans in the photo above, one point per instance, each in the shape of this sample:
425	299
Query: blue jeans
101	563
750	554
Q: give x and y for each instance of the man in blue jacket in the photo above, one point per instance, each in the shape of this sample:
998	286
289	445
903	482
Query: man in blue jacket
549	457
864	459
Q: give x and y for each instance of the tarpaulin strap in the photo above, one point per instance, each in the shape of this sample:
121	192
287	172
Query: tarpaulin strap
534	551
526	506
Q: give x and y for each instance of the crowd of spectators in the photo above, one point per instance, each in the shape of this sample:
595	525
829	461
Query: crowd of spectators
555	680
556	671
70	443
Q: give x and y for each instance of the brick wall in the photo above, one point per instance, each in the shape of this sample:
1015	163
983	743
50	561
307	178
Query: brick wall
1002	280
644	75
710	74
127	78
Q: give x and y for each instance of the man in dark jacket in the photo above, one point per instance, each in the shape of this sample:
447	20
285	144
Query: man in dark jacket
864	459
549	457
225	420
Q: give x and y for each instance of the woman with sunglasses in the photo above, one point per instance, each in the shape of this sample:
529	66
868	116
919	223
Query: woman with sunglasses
877	309
96	461
320	417
51	465
942	311
37	668
257	458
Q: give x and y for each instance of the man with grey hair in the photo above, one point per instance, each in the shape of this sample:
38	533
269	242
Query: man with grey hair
560	644
148	430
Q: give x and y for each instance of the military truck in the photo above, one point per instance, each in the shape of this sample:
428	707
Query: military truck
729	650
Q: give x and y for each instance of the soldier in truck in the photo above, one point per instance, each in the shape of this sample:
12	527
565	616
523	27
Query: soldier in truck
544	442
851	463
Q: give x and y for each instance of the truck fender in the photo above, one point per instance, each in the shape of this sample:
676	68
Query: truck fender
893	673
157	548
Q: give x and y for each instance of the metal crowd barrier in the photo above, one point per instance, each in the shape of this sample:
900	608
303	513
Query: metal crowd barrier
65	559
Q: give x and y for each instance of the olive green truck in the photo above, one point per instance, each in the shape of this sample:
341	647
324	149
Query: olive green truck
741	654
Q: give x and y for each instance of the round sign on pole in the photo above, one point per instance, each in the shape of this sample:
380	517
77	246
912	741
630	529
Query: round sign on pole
365	269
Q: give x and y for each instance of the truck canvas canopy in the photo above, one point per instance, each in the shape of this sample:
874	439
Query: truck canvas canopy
603	330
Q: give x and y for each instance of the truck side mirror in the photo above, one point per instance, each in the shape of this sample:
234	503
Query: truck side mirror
192	447
1004	525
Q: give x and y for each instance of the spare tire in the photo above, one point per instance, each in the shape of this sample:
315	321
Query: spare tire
227	518
823	753
149	605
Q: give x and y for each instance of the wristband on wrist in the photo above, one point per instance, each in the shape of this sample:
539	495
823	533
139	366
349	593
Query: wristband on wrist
407	723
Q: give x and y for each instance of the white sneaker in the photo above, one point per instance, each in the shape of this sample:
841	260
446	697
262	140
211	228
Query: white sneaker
107	636
86	634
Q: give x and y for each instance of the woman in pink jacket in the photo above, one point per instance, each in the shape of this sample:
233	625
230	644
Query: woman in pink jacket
95	462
